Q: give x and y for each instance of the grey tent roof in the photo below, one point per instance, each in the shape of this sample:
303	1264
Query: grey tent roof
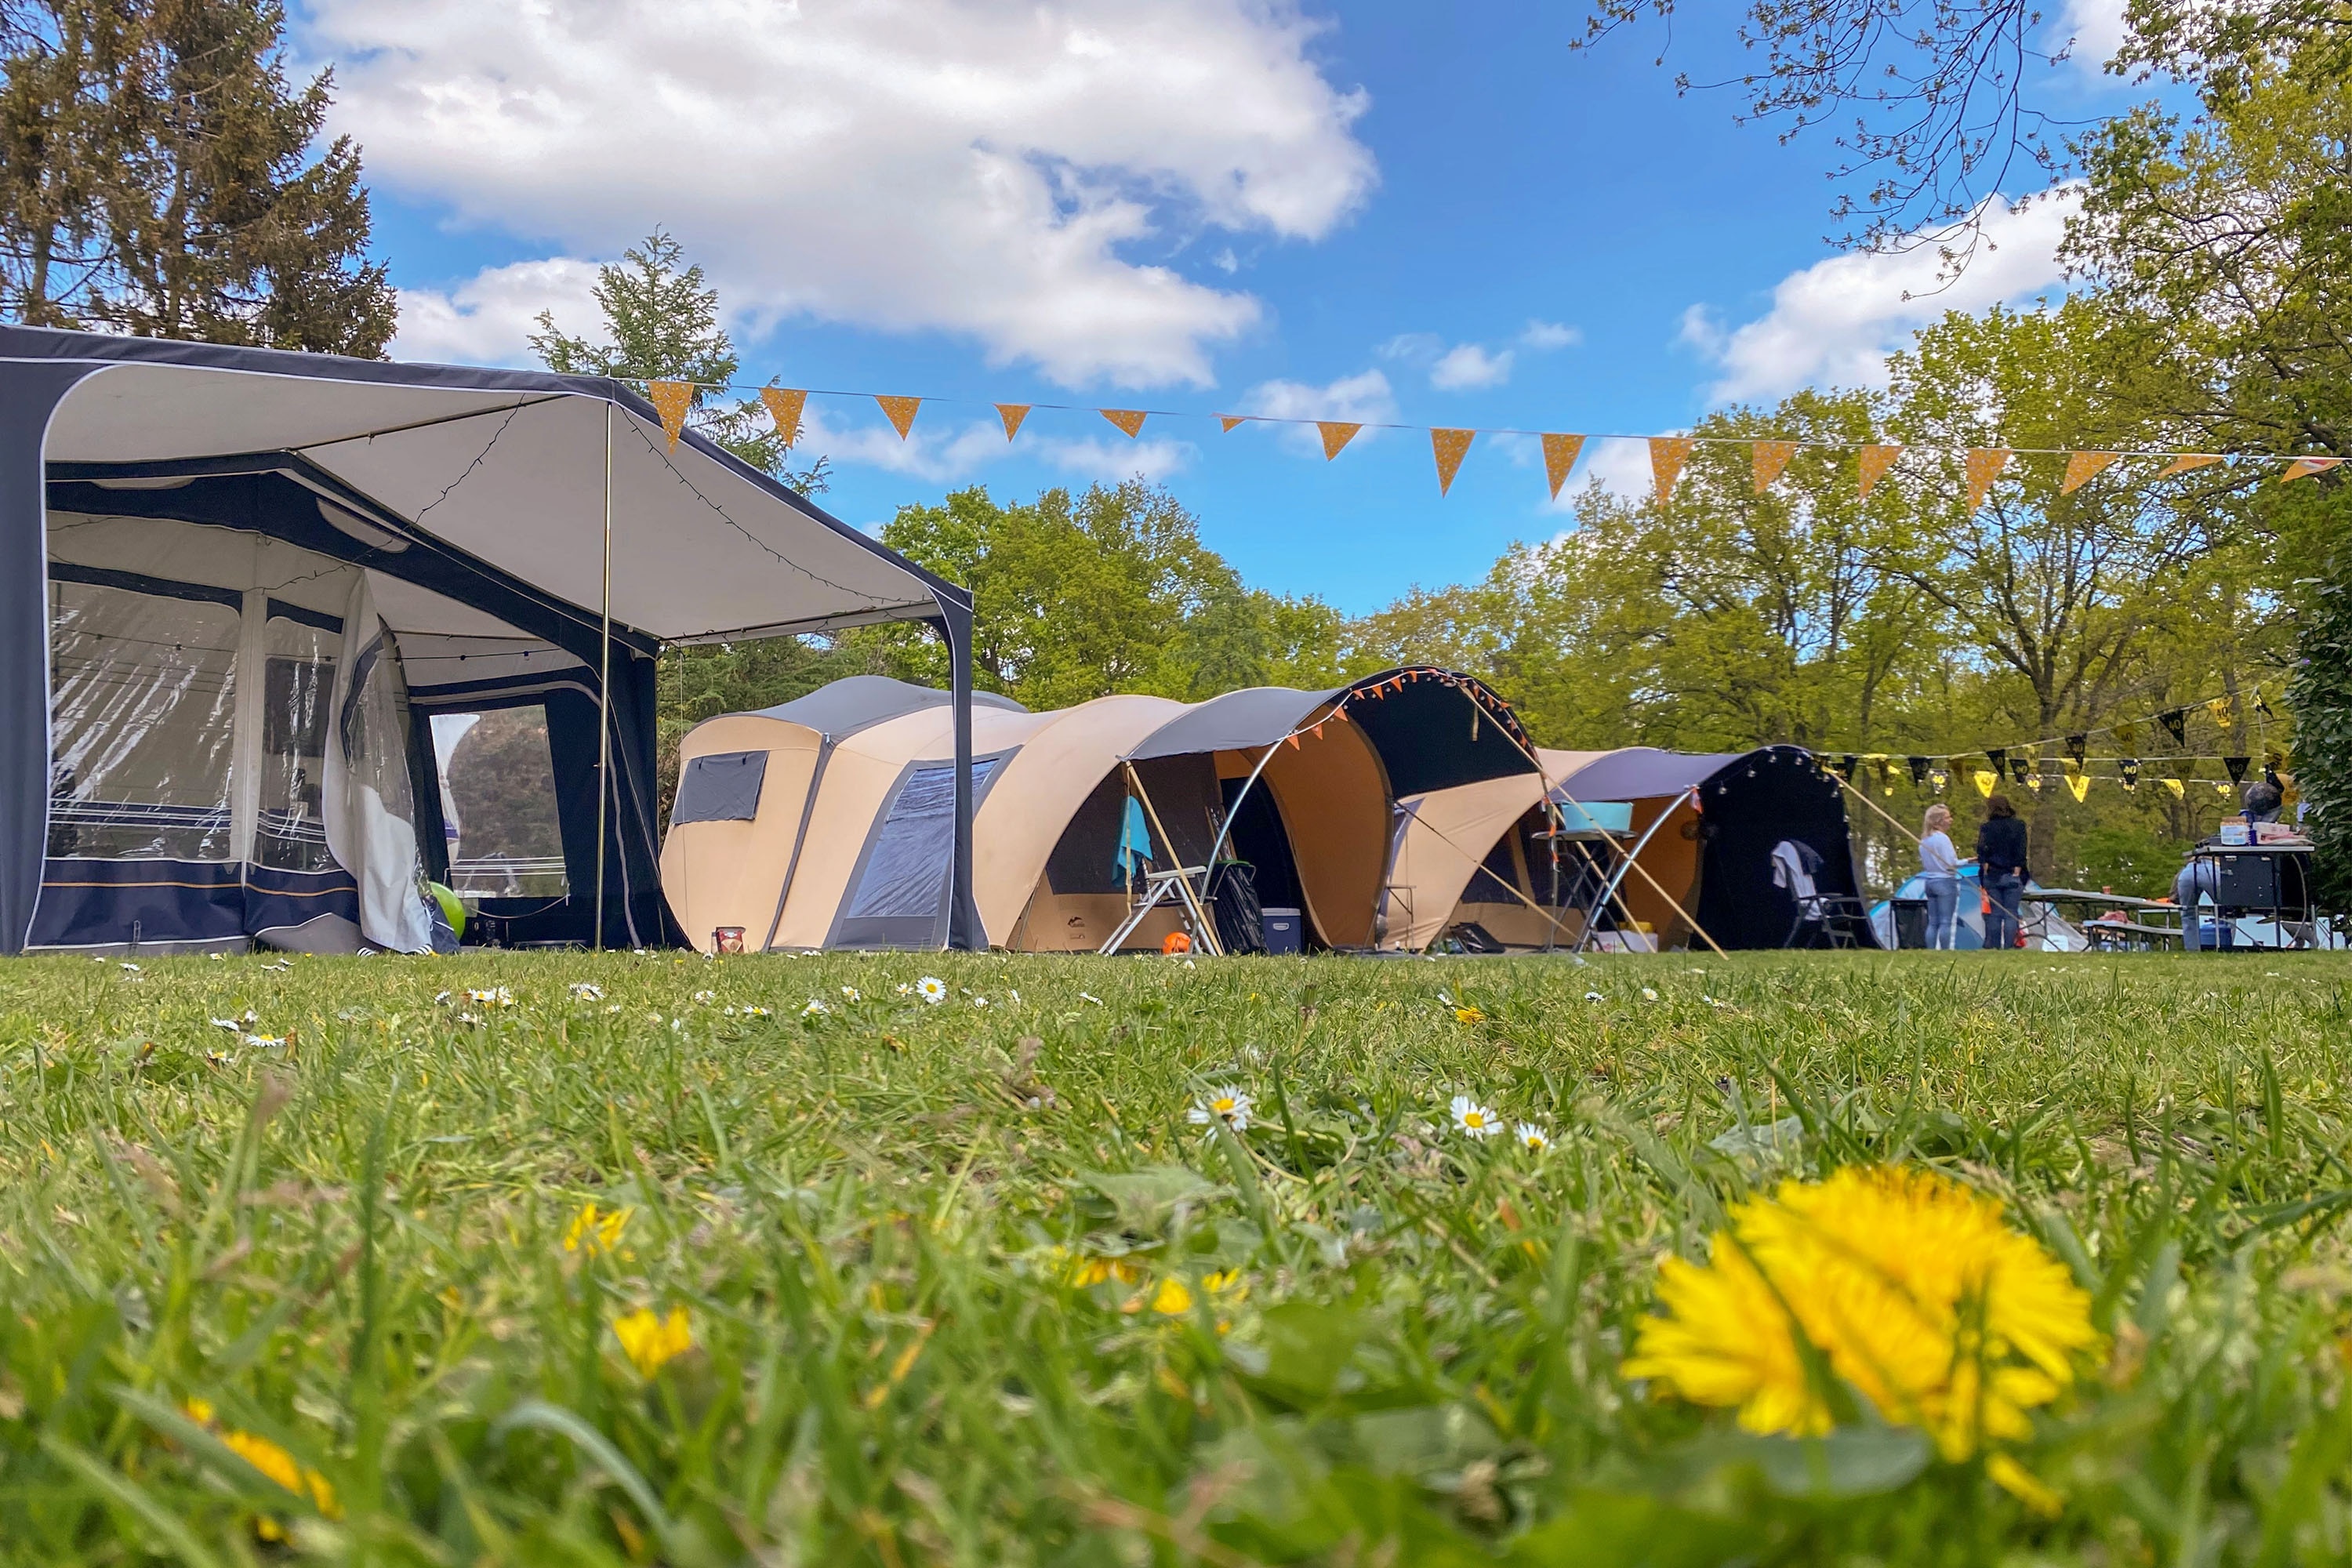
1642	772
506	465
1255	716
856	703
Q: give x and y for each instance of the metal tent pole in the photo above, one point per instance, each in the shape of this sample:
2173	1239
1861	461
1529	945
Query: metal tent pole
965	933
605	691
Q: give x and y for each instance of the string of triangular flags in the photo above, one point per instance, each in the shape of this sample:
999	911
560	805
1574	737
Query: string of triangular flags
2025	762
674	401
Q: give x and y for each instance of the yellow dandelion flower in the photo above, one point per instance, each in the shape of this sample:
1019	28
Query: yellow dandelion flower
272	1461
652	1342
1910	1285
1469	1015
1173	1297
592	1231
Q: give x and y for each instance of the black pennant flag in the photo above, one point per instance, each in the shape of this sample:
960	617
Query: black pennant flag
1919	771
2075	746
2021	768
1999	760
2237	766
2176	724
2129	767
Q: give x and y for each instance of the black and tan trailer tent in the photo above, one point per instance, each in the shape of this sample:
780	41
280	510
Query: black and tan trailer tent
828	849
1702	827
238	586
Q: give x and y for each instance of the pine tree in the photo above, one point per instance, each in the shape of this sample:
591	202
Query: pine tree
661	323
156	178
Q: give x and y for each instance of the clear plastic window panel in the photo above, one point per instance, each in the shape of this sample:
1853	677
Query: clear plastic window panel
907	865
298	687
143	724
498	805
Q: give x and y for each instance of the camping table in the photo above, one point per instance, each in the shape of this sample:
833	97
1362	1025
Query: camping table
2272	879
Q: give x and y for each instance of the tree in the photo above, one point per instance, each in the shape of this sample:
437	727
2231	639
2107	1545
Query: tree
1075	598
661	323
156	178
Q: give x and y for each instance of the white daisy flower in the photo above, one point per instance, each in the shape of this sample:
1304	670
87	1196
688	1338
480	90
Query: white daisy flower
933	990
441	998
814	1009
265	1042
129	969
1532	1138
613	1007
1016	997
905	989
1442	995
1473	1118
677	1026
1226	1103
980	1000
231	1025
705	998
756	1013
587	991
1593	996
1084	996
1648	994
850	994
1188	963
496	996
217	957
468	1018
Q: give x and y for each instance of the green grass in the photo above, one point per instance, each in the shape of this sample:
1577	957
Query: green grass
877	1221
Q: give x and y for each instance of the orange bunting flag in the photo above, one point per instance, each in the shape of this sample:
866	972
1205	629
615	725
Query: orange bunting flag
1450	447
2081	466
1872	465
1336	434
1667	455
671	399
2298	470
899	411
1127	419
1771	456
1230	420
1984	465
2188	460
1560	458
784	407
1013	414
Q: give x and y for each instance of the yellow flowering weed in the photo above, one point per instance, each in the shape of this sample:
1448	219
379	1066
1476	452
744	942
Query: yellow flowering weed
273	1462
1909	1284
651	1341
592	1231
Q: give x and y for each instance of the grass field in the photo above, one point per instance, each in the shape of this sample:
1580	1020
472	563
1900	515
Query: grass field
902	1282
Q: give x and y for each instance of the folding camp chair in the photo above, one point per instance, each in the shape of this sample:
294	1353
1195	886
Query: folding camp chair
1158	888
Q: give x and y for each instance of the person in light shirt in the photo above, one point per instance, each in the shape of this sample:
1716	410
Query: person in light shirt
1940	869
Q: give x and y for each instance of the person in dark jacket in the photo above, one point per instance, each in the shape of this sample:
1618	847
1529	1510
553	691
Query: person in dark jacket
2000	869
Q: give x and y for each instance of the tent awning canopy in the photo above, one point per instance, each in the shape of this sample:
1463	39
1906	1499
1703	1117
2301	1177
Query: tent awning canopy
1642	773
505	465
842	708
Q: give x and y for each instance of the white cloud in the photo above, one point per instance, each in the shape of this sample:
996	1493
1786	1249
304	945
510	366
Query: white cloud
1546	336
1834	322
943	450
1362	399
1114	461
957	165
1467	366
2098	28
490	317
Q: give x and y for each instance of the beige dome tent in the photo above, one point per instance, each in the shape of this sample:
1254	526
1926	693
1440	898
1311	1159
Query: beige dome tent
814	824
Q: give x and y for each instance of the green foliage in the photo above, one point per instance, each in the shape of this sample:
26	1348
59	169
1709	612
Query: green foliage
965	1284
2124	857
157	177
2322	695
1075	598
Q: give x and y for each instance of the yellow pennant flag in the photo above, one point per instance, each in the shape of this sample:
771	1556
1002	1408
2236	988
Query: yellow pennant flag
1449	447
2189	460
2081	466
2220	708
1985	779
899	411
1560	458
1336	434
1771	456
2302	467
1872	463
1013	414
2222	786
1984	465
784	407
1127	419
2078	785
671	399
2180	791
1230	420
1667	455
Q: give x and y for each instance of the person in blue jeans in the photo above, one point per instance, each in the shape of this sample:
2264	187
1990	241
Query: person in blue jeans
1939	875
2000	868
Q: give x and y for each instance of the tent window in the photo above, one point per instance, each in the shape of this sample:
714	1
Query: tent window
298	685
498	805
1493	882
900	896
724	788
143	721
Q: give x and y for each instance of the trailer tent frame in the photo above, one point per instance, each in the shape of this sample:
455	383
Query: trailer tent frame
549	533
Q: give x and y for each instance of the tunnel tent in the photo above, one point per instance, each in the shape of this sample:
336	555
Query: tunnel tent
1708	824
1481	853
244	586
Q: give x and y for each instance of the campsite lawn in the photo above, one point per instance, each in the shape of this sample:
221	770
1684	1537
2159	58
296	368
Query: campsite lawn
900	1282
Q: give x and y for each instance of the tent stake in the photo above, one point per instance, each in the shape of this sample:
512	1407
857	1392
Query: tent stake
604	689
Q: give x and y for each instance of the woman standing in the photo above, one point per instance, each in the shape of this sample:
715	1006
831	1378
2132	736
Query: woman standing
1940	870
2000	868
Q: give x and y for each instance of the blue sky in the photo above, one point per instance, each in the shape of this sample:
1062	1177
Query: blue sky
1435	214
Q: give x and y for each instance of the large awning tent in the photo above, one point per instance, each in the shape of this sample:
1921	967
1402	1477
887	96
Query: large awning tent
1486	854
826	847
243	593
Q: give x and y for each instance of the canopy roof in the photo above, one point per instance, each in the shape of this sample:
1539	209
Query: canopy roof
1642	773
505	465
842	708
